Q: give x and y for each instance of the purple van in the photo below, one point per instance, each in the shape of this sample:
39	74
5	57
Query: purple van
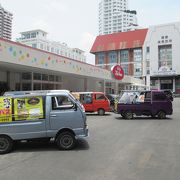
149	103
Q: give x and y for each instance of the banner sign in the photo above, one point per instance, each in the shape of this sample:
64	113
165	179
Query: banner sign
28	108
5	109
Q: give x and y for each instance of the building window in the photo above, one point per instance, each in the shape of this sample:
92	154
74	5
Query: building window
125	68
137	55
101	58
33	35
34	45
124	56
27	76
148	49
41	46
112	56
44	77
37	76
165	57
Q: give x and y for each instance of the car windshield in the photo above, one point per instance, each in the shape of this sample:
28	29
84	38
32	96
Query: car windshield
129	97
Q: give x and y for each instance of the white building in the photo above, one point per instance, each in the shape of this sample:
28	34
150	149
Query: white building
162	56
38	39
5	23
114	16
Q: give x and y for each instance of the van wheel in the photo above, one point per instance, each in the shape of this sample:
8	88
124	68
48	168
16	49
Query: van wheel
65	141
128	115
161	115
6	144
101	112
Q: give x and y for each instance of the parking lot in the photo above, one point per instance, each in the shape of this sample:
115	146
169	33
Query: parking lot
117	149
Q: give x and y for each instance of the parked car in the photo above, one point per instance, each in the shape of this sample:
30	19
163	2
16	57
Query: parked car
41	115
149	103
93	101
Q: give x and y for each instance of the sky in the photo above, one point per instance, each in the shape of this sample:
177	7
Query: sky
75	22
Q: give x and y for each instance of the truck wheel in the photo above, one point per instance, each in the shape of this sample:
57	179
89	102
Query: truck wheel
65	141
101	112
122	114
6	144
128	115
161	115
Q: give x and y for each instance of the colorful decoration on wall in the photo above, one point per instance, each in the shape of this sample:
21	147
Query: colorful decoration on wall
23	56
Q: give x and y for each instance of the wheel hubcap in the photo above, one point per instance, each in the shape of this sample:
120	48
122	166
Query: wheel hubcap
66	141
3	144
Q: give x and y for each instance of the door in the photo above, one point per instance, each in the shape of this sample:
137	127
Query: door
87	101
64	114
101	102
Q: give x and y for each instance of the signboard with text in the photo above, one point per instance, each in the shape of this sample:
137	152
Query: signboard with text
117	72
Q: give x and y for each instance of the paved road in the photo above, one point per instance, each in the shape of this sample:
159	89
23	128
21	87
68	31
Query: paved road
117	149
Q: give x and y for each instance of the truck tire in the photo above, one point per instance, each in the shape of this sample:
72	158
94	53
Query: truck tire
101	112
128	115
6	144
65	141
161	115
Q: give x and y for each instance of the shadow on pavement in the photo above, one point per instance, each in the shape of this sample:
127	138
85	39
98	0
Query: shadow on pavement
95	114
81	144
142	118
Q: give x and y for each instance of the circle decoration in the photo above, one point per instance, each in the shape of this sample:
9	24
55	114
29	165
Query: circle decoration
117	72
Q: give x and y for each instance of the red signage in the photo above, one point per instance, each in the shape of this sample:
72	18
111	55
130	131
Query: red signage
117	72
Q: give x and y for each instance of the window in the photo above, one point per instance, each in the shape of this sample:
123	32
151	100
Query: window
159	96
36	76
147	49
44	77
124	54
61	102
112	57
101	58
27	76
34	45
41	46
86	98
165	57
100	97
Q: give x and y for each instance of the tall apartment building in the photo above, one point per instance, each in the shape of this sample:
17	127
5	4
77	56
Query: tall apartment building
5	23
114	16
38	39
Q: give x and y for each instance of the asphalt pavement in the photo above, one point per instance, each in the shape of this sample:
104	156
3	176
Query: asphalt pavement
117	149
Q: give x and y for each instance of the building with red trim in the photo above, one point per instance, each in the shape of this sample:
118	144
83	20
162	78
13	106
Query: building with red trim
124	48
149	54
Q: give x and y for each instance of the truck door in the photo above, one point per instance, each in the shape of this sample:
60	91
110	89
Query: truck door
63	114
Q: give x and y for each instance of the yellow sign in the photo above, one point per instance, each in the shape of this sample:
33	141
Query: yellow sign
28	108
5	109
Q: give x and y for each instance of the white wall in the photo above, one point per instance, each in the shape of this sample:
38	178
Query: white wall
154	35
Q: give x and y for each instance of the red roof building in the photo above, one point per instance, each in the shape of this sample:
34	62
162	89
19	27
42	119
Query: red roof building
124	48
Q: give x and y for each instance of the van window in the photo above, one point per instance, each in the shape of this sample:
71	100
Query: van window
86	98
61	102
100	97
159	96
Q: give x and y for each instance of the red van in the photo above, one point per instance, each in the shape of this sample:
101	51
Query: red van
93	101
